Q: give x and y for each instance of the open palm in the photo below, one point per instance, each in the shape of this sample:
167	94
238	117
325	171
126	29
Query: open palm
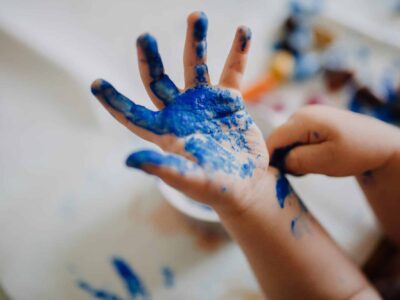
216	151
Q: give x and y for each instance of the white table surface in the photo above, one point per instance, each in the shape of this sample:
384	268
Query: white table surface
67	202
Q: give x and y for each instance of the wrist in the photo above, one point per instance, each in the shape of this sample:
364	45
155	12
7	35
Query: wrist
258	200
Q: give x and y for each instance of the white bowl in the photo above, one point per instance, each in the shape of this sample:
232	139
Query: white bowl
186	205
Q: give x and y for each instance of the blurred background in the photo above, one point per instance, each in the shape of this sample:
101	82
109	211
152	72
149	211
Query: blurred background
69	208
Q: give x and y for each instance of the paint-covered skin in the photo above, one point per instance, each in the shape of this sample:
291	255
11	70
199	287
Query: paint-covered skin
215	152
284	193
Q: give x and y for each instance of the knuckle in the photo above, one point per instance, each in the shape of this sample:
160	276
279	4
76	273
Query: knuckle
294	162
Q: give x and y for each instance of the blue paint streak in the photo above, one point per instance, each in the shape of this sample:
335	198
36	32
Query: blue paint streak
141	158
293	224
279	155
132	281
216	114
133	284
201	49
168	276
161	86
164	89
200	34
283	189
201	71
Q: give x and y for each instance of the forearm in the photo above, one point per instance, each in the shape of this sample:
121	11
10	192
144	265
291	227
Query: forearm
382	189
291	255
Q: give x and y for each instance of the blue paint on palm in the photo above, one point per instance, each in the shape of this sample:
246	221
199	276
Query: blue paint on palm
216	114
247	169
133	284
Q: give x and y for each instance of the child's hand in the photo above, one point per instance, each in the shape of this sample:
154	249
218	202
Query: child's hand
324	140
219	155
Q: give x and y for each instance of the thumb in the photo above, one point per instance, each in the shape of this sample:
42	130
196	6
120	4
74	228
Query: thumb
314	158
174	170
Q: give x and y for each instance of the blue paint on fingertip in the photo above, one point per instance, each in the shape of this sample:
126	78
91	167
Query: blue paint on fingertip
117	101
140	158
149	46
162	86
200	27
245	37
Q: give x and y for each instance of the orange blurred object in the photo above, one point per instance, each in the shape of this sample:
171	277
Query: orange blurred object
255	91
281	68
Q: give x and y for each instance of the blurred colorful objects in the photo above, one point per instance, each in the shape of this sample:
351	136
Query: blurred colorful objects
296	51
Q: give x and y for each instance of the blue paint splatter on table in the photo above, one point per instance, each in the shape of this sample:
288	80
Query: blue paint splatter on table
168	276
134	286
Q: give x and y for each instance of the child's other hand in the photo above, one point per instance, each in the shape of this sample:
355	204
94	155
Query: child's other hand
217	154
324	140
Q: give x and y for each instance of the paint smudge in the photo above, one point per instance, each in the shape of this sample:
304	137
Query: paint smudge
95	293
168	276
134	286
247	169
283	189
137	159
294	224
245	37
